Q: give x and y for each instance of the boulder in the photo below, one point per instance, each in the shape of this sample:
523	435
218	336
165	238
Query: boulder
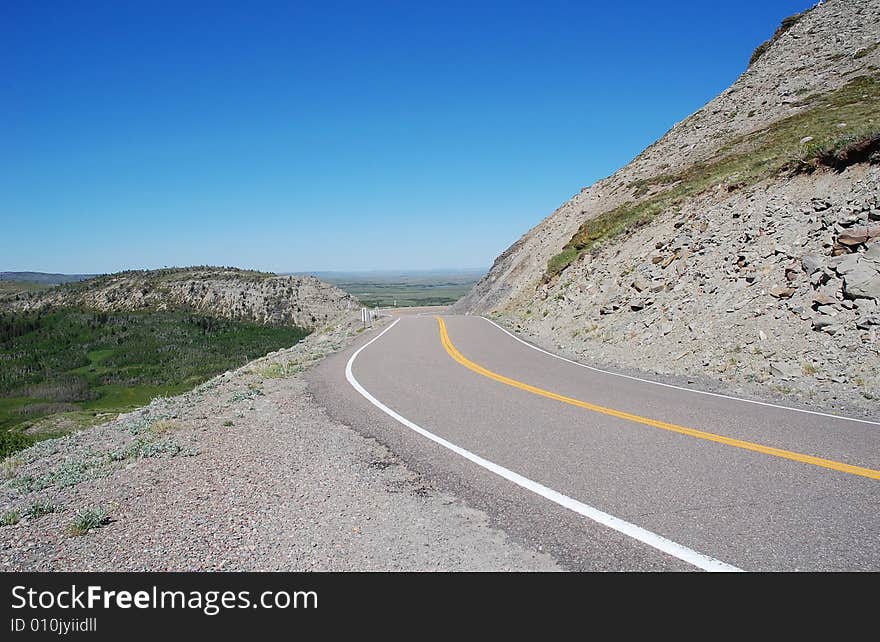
822	298
860	234
862	282
827	310
847	263
811	263
826	324
784	370
832	287
781	292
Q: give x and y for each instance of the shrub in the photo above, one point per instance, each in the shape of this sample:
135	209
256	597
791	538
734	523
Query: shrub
245	395
145	449
39	508
10	518
163	426
88	520
10	467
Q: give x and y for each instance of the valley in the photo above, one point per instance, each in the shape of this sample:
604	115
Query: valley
68	369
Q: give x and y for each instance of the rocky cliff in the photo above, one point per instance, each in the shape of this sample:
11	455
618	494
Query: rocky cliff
743	245
222	292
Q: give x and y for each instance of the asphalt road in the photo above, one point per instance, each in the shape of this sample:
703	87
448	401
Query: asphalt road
607	472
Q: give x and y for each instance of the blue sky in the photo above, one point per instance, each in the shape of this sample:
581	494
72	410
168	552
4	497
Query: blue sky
330	135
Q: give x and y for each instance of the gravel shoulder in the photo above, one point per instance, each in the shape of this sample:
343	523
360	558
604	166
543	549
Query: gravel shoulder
245	473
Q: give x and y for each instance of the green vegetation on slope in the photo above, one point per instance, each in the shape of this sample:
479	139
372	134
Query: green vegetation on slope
68	368
743	161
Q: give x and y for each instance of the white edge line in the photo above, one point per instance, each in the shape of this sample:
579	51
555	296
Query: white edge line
653	540
669	385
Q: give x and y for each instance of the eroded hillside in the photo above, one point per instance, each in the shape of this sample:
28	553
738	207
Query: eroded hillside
743	245
229	293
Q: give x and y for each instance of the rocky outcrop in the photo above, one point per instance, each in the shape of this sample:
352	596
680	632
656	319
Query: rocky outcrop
303	301
744	277
744	288
820	53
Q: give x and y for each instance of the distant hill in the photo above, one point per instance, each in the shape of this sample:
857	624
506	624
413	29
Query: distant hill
229	293
44	278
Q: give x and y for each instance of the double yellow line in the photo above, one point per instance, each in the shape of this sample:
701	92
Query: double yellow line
611	412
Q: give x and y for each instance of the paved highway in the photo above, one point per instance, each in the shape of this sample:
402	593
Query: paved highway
609	472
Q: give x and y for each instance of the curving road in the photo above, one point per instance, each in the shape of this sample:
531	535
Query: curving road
609	472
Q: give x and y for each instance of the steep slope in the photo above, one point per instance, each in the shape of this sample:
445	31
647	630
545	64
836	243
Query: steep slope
228	293
742	244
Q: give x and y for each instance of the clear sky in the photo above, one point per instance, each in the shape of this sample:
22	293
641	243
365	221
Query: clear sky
328	135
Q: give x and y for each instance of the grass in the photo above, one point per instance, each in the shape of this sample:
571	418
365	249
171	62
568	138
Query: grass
837	152
278	370
88	520
743	161
562	260
67	369
10	518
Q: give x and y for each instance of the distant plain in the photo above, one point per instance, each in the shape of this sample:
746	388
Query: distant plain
405	288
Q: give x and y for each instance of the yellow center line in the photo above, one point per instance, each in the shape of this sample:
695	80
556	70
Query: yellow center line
691	432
